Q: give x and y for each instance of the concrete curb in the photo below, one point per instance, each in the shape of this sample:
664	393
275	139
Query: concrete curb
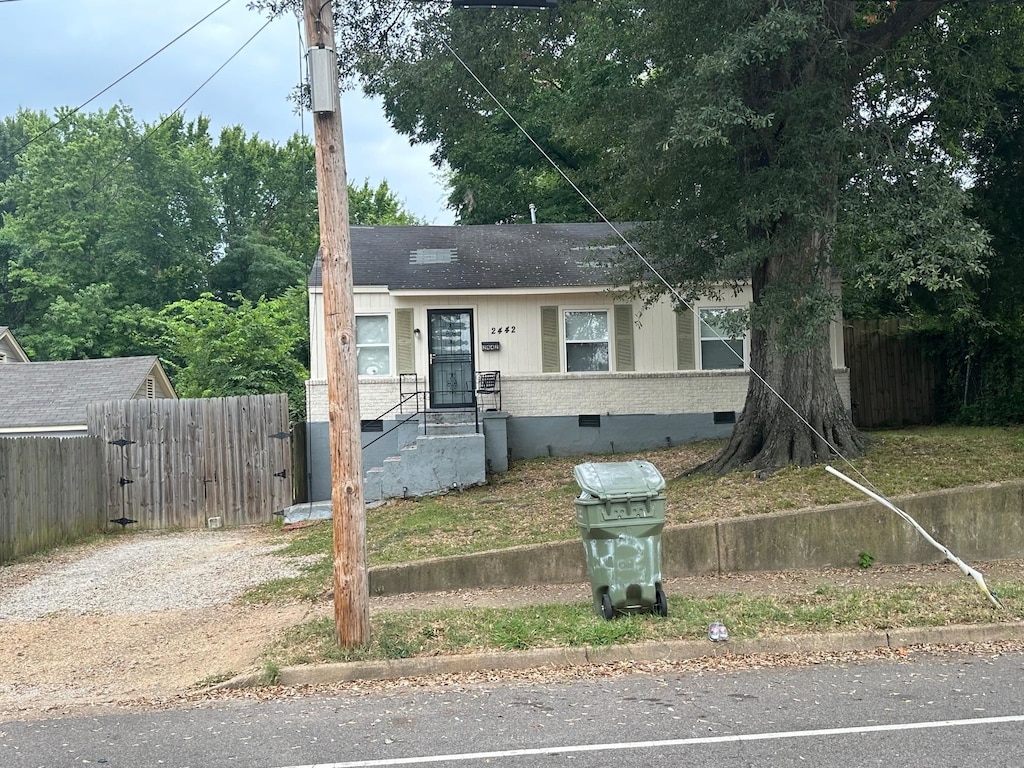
675	650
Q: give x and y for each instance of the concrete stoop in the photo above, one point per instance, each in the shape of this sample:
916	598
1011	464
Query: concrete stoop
432	464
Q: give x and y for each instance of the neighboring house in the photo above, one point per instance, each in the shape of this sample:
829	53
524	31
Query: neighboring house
583	367
10	349
50	398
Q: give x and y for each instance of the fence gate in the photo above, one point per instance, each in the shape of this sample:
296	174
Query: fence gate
194	463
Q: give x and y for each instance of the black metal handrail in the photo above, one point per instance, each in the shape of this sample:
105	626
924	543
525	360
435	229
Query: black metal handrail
484	386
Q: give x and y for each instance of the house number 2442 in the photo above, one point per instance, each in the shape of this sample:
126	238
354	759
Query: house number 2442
507	329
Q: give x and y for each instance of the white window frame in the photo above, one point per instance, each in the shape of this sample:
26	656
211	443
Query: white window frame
375	345
703	337
607	341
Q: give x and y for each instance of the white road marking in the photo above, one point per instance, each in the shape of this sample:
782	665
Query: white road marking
468	756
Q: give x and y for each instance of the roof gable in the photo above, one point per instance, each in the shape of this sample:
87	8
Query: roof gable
10	349
55	394
481	256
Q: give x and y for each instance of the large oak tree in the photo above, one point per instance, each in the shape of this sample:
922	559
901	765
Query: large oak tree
784	142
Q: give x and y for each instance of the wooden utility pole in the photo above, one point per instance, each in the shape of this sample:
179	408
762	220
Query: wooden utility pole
351	585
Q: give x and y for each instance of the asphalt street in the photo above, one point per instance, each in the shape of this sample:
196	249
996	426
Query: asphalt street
925	710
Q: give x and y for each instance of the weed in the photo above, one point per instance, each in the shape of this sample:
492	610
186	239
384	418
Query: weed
865	560
211	680
269	675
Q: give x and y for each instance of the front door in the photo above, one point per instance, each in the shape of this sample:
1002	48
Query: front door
451	357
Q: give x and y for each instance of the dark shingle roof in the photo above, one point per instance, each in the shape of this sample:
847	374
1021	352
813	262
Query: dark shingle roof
481	256
52	394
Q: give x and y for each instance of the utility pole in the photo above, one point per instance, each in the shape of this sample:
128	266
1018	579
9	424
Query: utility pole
351	585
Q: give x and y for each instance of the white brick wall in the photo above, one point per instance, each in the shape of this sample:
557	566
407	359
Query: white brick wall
570	394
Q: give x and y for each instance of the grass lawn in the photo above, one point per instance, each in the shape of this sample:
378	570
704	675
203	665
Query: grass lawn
533	503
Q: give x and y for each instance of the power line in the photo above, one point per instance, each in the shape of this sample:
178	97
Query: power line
188	98
134	69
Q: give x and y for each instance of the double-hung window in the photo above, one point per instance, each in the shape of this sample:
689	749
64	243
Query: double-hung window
721	340
586	340
373	350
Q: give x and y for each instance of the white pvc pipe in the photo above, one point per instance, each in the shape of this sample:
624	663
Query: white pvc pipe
976	575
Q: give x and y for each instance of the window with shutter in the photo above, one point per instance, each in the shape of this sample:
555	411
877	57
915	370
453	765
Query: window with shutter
373	345
624	337
550	358
405	342
586	340
721	346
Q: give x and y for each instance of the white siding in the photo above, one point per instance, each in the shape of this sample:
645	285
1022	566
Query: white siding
655	386
518	318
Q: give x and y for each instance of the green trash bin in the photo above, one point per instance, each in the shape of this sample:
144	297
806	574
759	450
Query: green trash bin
620	512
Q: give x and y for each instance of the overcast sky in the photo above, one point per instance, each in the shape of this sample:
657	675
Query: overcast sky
62	52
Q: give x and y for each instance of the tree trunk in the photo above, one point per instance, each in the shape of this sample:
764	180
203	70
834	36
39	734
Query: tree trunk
793	413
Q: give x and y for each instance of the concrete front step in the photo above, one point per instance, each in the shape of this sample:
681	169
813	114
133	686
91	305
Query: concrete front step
432	464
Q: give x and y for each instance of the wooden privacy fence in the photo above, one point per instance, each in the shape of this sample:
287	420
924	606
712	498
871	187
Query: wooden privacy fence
157	463
892	377
193	463
51	492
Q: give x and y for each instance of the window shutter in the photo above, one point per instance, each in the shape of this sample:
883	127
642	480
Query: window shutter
624	337
150	388
686	352
550	358
405	342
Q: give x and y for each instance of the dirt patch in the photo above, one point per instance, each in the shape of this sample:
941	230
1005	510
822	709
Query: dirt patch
61	664
138	617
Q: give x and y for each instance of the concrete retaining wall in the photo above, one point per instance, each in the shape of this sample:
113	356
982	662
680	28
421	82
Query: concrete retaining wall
977	523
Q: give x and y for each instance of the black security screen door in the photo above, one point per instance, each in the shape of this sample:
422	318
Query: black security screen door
451	357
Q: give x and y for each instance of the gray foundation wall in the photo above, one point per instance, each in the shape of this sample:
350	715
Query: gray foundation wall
318	451
525	437
533	436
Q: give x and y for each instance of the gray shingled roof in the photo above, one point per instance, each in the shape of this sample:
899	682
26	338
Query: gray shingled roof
481	256
53	394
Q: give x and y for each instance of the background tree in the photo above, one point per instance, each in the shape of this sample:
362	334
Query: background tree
985	381
369	206
215	349
120	238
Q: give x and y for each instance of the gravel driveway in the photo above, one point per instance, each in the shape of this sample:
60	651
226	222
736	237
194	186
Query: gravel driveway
139	617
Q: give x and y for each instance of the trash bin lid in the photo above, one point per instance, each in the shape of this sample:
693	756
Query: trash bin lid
604	480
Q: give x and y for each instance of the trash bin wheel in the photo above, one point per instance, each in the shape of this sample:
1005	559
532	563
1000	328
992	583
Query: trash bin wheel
606	607
660	602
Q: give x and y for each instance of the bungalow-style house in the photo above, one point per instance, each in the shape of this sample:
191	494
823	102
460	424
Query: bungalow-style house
49	399
10	349
520	325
